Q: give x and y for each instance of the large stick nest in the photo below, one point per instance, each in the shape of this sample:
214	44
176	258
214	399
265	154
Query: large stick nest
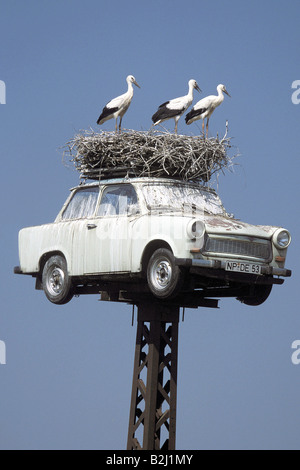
155	154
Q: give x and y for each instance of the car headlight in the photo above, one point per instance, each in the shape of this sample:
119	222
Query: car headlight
282	238
195	228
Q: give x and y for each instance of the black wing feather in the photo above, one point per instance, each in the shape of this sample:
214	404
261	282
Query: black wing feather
194	113
164	104
105	113
164	112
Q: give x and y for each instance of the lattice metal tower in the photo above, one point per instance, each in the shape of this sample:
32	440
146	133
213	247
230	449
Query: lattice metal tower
152	421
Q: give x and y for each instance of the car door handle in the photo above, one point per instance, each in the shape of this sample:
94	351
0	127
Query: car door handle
91	226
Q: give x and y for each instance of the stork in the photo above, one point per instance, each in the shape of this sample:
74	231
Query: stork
205	107
176	107
118	106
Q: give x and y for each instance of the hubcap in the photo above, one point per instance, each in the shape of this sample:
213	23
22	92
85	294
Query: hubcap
161	274
56	281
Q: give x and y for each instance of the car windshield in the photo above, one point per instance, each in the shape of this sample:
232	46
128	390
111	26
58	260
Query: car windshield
82	204
180	197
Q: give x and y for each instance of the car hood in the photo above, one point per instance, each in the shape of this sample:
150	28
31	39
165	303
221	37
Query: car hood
219	224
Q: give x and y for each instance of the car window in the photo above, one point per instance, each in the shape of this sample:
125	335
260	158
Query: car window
82	204
179	196
118	200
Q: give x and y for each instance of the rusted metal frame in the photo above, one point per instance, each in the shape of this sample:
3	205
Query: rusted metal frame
173	386
168	392
151	436
154	394
138	392
162	390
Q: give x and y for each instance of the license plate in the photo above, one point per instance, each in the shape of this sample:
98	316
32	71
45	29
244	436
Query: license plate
240	267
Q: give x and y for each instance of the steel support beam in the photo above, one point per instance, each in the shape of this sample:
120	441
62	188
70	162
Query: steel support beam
152	420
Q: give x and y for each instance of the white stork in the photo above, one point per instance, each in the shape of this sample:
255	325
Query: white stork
176	107
205	107
117	107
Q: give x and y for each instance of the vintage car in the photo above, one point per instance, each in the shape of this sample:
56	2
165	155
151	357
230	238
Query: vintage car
167	236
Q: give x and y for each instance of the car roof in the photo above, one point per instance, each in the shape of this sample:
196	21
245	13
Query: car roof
144	180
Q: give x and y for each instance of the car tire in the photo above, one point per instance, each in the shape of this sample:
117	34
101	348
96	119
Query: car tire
57	283
164	278
258	295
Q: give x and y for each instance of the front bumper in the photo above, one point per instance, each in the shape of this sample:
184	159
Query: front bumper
216	268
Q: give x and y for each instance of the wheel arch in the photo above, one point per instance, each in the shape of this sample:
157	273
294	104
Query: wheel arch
150	249
44	258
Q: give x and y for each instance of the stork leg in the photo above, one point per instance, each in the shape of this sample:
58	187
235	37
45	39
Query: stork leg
207	127
176	122
120	124
203	127
116	125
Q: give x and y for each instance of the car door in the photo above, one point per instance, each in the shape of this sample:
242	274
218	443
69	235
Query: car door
70	232
108	238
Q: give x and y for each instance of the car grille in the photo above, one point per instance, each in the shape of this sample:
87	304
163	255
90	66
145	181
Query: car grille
253	248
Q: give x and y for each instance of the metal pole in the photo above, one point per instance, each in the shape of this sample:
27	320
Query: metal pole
153	404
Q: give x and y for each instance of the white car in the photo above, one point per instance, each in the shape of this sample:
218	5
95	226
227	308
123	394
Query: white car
166	236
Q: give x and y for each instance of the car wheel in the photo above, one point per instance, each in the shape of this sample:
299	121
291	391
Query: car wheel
258	295
57	284
163	276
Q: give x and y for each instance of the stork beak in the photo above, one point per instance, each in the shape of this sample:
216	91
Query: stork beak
198	89
225	91
136	84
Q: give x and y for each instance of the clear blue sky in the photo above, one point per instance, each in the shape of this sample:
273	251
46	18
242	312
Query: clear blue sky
67	381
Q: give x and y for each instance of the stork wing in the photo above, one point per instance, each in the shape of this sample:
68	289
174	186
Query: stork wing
112	107
178	103
205	103
116	102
